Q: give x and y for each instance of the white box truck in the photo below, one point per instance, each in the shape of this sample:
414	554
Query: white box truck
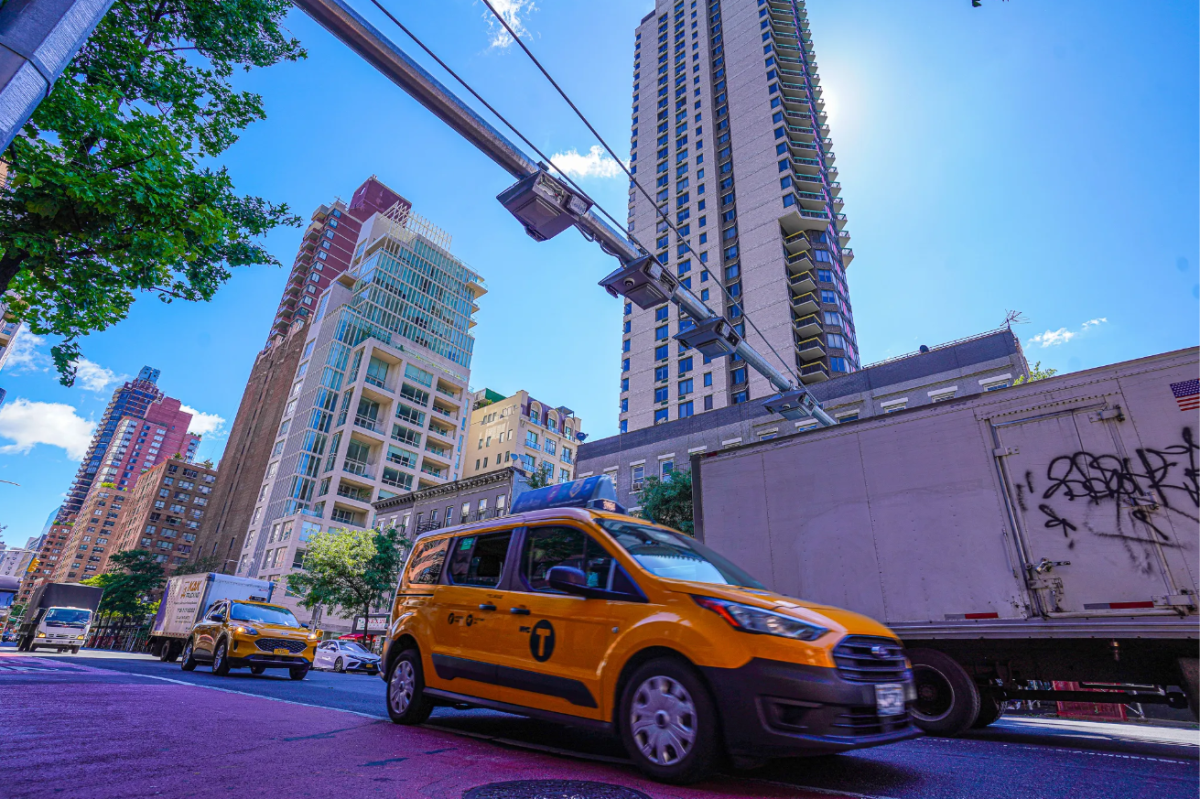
59	616
1016	540
185	600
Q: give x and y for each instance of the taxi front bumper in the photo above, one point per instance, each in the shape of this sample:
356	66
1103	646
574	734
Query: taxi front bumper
771	708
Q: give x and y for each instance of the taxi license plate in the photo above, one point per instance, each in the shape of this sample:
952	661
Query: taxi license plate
889	699
283	651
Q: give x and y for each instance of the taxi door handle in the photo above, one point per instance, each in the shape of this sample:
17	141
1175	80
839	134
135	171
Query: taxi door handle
519	611
487	607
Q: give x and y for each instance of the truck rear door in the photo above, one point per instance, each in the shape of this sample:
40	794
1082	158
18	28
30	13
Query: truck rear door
1101	513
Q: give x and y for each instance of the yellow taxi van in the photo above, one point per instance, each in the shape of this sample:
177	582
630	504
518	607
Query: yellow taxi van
571	611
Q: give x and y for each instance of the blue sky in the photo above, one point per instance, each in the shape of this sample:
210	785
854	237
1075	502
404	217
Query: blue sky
1024	155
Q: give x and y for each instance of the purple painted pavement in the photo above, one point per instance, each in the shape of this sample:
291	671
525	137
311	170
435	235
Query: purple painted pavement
80	731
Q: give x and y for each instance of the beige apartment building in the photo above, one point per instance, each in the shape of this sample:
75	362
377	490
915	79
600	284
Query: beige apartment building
729	138
380	400
520	431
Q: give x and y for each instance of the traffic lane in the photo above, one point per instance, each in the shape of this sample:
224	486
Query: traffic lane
1127	738
151	737
983	766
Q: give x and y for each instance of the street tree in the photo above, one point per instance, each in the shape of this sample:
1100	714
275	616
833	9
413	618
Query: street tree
541	477
127	588
111	191
1036	372
669	501
354	570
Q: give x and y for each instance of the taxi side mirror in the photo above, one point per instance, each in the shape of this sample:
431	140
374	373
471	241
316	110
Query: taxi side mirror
569	580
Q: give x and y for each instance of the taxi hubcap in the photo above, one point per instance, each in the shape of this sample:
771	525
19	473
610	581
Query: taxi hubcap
663	720
404	681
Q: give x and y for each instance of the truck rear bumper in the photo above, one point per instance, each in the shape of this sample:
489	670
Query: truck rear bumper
774	709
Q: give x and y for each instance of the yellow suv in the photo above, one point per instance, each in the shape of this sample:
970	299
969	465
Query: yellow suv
573	613
236	633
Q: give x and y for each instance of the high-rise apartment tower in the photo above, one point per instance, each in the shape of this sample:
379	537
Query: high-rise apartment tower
729	138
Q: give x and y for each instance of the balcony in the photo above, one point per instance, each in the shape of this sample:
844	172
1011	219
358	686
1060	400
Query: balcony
808	326
843	236
803	133
807	182
799	263
835	188
806	166
810	349
442	410
359	468
796	242
847	255
434	471
814	373
349	517
802	283
806	304
813	201
443	432
369	423
436	450
839	220
797	218
353	492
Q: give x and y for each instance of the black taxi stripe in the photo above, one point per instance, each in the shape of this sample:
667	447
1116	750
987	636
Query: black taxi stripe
575	692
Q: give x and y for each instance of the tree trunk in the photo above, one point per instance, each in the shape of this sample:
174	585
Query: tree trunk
10	266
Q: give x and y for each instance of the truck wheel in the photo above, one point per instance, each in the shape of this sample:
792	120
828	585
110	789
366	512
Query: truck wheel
1189	668
669	722
74	650
947	698
172	652
991	708
406	700
188	663
31	648
220	666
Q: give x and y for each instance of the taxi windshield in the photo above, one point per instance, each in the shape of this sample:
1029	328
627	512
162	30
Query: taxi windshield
675	556
263	614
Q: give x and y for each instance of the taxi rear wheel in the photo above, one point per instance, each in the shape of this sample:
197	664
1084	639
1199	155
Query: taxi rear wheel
669	722
257	670
406	700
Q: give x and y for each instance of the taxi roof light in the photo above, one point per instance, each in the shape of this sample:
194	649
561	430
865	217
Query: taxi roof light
596	492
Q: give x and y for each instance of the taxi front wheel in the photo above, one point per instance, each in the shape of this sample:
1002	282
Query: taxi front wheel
669	722
406	700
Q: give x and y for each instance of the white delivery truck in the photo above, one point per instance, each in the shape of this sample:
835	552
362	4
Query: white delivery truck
59	616
1028	543
187	597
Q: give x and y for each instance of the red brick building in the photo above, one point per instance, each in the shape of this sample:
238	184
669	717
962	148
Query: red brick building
164	512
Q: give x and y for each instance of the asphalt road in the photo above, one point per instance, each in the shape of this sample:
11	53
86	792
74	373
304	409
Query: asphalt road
1014	759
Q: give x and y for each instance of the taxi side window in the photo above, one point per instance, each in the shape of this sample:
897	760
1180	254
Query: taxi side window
425	568
479	559
217	613
547	547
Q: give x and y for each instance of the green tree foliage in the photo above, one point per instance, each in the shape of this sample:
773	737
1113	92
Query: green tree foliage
542	476
109	193
1036	372
669	502
127	588
354	570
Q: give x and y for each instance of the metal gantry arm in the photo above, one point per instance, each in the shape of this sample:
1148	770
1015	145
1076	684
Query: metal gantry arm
546	206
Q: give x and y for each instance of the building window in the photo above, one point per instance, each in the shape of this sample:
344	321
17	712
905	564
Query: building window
637	476
740	397
685	409
660	415
660	394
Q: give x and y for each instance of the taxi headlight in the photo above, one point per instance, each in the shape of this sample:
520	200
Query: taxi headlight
313	636
245	630
750	619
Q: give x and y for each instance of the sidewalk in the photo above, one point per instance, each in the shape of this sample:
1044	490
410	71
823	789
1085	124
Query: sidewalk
97	733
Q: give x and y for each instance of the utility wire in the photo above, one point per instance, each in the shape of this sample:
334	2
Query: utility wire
632	179
501	117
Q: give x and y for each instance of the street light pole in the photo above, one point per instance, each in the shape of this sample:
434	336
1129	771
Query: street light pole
38	38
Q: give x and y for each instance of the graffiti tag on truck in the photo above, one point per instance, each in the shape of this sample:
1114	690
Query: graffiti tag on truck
1154	478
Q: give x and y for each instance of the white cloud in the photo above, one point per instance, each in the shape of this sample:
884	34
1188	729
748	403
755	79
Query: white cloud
203	424
1054	338
94	377
28	424
26	355
596	164
512	11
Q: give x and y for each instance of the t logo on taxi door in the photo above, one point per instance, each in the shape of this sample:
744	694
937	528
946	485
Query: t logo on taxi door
541	641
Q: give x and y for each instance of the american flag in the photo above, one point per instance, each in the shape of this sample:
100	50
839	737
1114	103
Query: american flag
1187	394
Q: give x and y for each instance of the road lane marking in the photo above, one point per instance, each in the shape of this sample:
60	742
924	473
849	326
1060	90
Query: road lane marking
371	716
1182	761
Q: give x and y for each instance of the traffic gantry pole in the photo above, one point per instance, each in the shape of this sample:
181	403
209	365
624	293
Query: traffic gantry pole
38	38
546	206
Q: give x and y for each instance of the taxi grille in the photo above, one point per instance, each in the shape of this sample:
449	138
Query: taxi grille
271	644
865	721
862	658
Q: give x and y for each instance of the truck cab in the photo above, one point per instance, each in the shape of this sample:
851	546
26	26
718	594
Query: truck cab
63	628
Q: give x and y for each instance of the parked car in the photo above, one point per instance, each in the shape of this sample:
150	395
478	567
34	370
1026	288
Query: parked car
344	656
